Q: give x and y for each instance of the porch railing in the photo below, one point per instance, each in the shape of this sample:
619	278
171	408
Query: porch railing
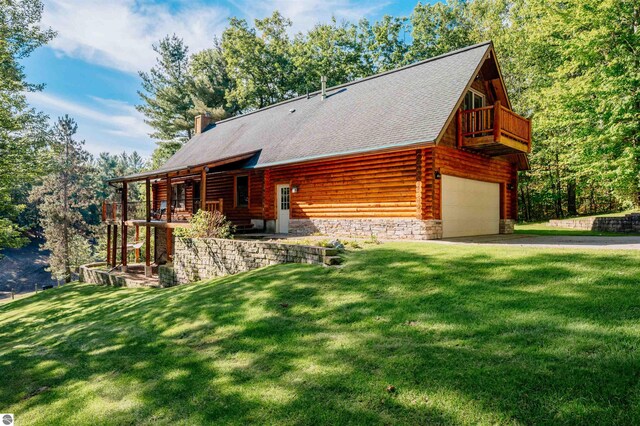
136	210
214	205
112	210
496	121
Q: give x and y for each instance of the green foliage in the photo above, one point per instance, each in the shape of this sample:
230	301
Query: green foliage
440	28
259	60
165	95
205	224
64	200
11	235
23	131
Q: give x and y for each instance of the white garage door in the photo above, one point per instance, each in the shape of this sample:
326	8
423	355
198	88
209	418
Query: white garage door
469	207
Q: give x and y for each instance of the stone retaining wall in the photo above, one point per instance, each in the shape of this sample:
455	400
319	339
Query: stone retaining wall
392	229
627	223
90	274
203	258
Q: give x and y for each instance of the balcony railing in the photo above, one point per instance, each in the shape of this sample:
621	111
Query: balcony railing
112	211
214	206
494	129
136	210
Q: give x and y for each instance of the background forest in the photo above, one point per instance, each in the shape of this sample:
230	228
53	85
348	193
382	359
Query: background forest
573	66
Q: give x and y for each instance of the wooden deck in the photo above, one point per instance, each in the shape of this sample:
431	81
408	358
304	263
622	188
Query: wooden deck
494	131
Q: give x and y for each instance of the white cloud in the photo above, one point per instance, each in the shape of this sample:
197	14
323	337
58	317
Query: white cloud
115	121
119	33
305	14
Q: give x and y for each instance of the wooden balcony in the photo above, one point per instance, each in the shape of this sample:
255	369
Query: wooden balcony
493	130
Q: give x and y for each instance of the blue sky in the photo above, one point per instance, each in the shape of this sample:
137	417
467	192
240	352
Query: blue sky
90	68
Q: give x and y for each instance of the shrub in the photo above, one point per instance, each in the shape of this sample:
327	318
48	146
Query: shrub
354	244
372	240
205	224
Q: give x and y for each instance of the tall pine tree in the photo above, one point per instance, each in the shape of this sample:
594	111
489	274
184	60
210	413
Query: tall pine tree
63	201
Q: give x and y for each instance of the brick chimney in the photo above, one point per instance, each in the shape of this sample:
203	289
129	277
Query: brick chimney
202	121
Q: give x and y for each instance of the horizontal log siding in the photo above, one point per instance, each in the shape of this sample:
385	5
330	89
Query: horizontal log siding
427	159
455	162
382	185
222	185
159	193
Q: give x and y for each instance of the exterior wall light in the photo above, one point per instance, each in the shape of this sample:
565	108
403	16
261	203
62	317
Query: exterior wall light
294	189
437	174
510	186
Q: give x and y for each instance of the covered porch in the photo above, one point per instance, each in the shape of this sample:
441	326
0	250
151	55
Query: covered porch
146	209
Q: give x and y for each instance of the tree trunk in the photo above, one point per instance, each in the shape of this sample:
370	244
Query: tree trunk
65	222
571	198
558	188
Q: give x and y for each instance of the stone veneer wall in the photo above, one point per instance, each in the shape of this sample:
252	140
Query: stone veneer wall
197	259
392	229
627	223
507	226
90	274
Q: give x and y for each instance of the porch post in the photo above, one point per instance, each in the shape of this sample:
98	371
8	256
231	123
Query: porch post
108	244
114	248
169	245
169	201
497	113
124	227
147	236
136	240
203	189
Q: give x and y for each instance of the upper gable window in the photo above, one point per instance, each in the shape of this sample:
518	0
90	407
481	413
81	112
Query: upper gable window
473	99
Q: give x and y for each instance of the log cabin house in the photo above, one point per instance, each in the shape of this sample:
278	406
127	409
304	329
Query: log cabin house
430	150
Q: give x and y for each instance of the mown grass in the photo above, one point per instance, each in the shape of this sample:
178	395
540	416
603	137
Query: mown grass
543	228
465	334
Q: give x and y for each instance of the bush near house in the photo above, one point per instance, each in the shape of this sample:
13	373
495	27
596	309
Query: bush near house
205	224
403	333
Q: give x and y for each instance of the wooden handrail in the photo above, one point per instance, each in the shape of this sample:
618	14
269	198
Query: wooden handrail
479	109
514	113
212	206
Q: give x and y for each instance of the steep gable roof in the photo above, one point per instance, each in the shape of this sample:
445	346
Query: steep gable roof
403	107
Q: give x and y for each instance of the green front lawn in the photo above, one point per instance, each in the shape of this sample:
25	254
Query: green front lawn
464	334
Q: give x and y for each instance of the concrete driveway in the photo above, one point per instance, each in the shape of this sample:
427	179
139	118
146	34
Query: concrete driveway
553	241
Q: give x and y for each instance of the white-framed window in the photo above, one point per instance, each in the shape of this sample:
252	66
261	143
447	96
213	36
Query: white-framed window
284	198
473	99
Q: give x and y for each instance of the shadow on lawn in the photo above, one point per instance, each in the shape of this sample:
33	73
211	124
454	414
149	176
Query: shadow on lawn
539	337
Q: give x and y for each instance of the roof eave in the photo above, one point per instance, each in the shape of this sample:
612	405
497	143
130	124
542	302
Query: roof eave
195	168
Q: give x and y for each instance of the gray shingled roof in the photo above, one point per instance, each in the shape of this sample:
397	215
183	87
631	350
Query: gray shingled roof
401	107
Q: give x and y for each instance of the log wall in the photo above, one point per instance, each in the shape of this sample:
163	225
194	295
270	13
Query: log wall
380	185
222	185
390	185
